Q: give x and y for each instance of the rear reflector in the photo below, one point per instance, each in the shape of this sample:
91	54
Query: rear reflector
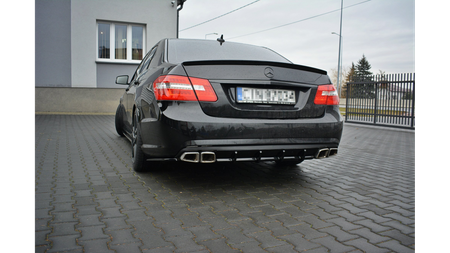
326	95
176	88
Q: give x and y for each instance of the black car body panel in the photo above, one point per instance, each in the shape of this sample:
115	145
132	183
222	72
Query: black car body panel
226	76
224	128
179	128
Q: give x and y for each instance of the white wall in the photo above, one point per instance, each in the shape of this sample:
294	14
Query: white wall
159	16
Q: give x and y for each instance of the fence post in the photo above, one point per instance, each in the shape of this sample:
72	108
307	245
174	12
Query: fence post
376	101
413	99
346	102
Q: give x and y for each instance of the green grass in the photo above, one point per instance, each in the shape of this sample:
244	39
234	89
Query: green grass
371	111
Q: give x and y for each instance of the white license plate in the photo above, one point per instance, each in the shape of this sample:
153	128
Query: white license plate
265	96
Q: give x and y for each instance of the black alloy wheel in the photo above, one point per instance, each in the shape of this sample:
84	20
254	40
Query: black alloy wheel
118	121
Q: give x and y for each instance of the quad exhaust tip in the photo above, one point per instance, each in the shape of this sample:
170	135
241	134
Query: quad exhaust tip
322	153
333	151
195	157
210	157
191	157
207	157
326	152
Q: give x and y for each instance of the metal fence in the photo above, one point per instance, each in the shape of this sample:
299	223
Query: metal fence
386	100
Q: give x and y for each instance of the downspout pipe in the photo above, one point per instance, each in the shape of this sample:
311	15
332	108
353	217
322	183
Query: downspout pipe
179	8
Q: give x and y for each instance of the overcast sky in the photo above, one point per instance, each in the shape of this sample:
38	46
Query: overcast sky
382	30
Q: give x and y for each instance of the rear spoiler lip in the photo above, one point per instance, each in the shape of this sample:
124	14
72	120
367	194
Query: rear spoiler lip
248	62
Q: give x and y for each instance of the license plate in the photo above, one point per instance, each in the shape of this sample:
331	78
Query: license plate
265	96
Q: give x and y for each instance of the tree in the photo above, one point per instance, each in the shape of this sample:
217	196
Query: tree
381	77
348	73
351	73
363	69
362	75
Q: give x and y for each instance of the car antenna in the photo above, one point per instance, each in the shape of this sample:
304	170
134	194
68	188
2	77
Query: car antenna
221	40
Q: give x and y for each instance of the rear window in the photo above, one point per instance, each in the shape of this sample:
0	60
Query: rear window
200	50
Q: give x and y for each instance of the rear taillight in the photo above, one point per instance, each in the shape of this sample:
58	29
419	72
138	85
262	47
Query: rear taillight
203	89
173	88
326	95
176	88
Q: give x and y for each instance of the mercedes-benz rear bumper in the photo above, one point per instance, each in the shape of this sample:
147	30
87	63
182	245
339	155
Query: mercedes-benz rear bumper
182	132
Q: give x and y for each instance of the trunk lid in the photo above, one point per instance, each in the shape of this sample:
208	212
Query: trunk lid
260	90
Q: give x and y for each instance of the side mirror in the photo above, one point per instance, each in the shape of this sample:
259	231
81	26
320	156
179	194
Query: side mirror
122	80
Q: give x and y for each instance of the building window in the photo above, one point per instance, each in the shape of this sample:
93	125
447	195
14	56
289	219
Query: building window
121	42
137	42
103	41
118	42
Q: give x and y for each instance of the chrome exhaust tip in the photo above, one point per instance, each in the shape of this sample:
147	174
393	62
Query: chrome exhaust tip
207	157
191	157
322	153
333	151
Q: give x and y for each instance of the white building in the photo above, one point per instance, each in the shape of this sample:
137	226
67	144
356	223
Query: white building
82	45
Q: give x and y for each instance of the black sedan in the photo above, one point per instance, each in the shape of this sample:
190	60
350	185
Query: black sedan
203	101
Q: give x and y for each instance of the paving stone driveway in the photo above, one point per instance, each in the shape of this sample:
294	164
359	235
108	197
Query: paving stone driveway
88	199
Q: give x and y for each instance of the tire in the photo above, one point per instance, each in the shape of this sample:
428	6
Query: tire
118	121
137	156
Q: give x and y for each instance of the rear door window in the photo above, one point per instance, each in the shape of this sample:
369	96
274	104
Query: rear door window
146	62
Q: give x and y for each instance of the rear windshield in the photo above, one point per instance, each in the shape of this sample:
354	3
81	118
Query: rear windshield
200	50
